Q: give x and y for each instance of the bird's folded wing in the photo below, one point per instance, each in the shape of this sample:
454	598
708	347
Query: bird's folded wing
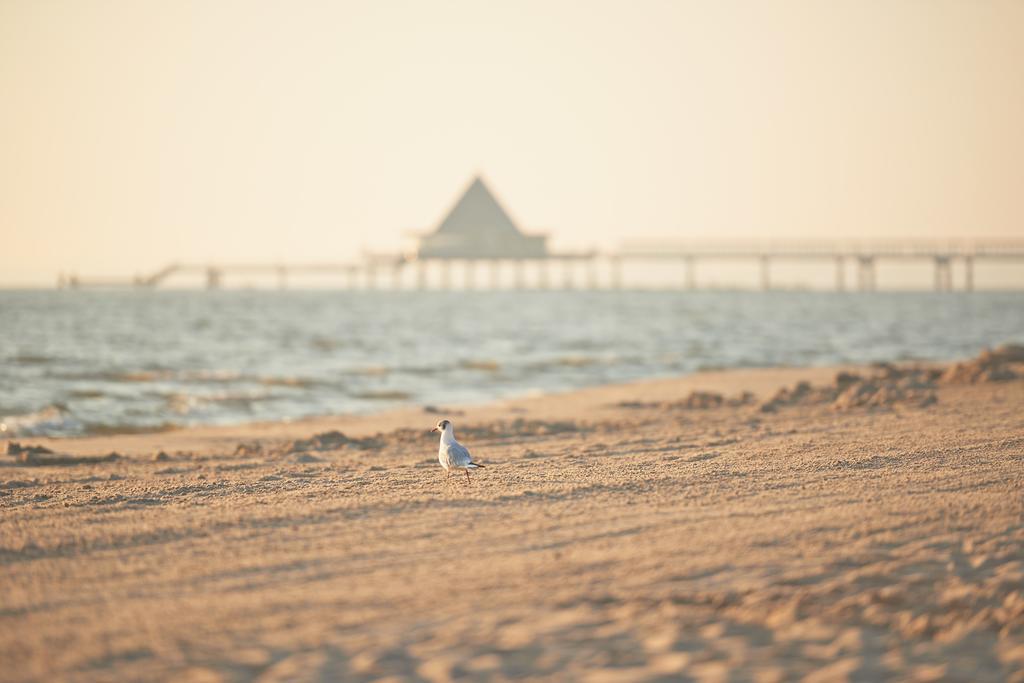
458	455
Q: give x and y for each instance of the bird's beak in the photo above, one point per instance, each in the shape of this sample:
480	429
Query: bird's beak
433	430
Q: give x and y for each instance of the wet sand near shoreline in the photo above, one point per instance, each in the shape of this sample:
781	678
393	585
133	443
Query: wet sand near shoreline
664	530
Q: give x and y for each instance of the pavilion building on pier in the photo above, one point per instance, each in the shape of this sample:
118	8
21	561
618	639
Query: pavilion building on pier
478	227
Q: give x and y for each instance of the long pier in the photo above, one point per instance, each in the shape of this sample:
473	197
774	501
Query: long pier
601	269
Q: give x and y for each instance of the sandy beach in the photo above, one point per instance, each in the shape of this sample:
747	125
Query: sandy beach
828	524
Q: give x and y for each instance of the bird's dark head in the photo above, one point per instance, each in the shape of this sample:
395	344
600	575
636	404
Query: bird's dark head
441	426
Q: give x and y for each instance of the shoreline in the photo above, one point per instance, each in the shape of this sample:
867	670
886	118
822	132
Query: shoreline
761	381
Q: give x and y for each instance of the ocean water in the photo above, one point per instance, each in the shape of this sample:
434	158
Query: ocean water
77	362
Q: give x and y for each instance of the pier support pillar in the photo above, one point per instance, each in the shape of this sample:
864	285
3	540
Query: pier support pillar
469	274
969	273
282	277
495	265
396	276
371	277
421	275
866	273
542	274
689	272
840	274
615	264
446	274
350	277
519	281
213	278
567	274
766	273
943	274
591	273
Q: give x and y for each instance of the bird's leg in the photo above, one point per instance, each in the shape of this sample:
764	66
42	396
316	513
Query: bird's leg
467	477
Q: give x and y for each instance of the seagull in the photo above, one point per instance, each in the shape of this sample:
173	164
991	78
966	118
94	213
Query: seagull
452	454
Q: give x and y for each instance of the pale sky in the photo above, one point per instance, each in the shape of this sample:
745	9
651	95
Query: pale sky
134	133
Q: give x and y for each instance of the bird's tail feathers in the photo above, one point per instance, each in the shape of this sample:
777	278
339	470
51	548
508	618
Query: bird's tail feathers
475	464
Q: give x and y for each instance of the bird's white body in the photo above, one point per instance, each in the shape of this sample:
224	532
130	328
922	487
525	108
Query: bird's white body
450	453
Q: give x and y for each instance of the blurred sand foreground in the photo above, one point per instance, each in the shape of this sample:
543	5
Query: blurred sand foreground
848	528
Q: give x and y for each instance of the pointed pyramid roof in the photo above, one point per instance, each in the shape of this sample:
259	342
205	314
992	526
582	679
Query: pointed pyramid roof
477	210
